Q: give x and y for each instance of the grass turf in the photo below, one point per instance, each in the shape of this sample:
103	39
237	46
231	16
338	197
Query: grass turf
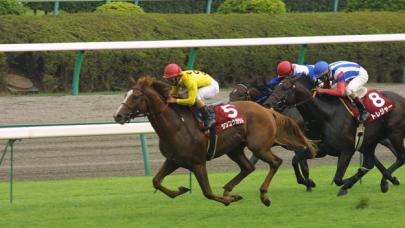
130	202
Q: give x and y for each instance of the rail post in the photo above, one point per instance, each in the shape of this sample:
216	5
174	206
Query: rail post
209	3
301	55
56	7
10	143
145	154
335	5
76	73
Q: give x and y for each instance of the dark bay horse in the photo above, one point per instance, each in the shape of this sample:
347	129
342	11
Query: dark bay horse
183	144
250	92
337	127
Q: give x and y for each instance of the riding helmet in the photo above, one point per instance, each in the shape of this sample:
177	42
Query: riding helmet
321	68
172	70
284	68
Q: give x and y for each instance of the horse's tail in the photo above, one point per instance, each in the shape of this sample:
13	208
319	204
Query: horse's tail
289	134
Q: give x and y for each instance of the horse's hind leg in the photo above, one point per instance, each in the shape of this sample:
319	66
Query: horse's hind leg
200	172
274	163
398	144
246	167
166	169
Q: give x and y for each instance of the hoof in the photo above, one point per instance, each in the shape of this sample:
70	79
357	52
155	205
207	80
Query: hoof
309	189
236	198
311	183
342	192
267	202
183	189
395	181
384	186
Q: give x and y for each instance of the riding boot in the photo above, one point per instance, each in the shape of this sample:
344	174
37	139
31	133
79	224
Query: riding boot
362	109
207	116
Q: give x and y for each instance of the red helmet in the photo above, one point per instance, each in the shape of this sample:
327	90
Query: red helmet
172	70
284	68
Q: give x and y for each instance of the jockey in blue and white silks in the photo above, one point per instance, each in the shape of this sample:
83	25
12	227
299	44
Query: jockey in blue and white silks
349	78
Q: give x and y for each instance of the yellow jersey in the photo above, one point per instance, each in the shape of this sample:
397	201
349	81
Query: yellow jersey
191	80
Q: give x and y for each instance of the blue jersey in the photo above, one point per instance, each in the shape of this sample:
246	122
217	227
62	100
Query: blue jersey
344	70
298	70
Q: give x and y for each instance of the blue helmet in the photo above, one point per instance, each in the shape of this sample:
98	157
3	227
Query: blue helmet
321	68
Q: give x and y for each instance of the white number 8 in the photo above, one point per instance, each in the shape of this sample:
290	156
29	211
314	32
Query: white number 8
376	99
232	112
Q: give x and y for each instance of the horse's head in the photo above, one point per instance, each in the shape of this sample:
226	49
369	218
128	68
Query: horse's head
284	94
244	92
137	101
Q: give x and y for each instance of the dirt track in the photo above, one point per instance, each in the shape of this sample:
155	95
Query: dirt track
70	157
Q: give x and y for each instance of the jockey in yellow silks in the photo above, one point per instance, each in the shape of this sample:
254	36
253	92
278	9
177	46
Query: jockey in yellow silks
198	86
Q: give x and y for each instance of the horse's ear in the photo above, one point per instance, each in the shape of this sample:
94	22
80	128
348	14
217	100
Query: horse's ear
132	79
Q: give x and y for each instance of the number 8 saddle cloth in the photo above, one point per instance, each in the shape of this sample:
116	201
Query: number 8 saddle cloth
376	104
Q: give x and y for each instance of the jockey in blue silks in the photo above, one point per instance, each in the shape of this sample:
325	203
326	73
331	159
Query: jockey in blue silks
284	69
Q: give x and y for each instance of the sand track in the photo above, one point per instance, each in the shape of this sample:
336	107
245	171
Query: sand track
70	157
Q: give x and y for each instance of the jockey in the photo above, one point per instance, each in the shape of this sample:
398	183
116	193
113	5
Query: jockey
286	68
198	85
349	78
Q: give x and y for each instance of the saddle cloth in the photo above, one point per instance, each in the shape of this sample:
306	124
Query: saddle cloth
376	104
226	116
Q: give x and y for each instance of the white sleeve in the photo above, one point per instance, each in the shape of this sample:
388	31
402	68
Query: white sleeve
300	70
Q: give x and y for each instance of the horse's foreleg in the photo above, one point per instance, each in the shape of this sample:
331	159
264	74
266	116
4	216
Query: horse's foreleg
200	172
299	162
367	165
274	163
343	163
246	167
167	168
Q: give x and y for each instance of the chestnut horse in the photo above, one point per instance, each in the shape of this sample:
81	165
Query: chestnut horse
337	127
249	92
183	144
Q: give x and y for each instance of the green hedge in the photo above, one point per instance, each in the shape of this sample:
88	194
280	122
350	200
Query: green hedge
109	70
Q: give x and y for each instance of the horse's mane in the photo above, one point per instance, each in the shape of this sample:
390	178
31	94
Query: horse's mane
160	86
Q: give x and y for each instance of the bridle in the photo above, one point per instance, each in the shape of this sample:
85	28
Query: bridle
136	113
246	94
282	103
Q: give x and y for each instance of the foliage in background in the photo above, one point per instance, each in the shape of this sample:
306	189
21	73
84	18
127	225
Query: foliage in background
172	6
3	71
120	7
375	5
252	6
110	69
12	7
313	5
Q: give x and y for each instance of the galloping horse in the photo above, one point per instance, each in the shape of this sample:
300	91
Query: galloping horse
243	92
183	144
248	92
327	115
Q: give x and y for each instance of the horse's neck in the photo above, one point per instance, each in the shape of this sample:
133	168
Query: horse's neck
161	117
314	109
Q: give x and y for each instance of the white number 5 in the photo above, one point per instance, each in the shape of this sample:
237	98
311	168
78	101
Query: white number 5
232	113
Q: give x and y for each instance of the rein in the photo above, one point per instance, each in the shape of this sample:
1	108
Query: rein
152	114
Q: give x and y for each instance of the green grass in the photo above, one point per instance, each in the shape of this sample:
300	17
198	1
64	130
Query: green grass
130	202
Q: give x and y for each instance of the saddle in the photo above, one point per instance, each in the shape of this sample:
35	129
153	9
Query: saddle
226	116
376	104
